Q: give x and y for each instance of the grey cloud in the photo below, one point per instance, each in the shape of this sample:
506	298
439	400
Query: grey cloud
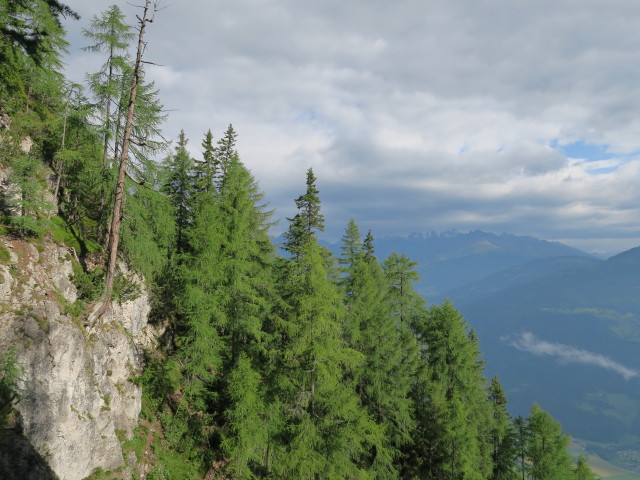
381	97
528	342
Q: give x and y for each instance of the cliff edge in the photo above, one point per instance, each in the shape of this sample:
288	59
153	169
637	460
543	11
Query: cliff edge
77	396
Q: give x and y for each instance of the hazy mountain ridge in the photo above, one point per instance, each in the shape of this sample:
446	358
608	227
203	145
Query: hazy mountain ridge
450	260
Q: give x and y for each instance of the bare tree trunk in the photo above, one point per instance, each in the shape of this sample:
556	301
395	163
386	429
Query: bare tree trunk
116	215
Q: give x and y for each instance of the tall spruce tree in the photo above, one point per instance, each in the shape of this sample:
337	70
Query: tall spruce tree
307	221
206	170
225	151
522	439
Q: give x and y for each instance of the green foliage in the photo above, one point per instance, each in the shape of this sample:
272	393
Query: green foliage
401	274
65	234
502	435
449	398
582	471
5	257
10	377
148	230
272	368
179	187
547	447
307	221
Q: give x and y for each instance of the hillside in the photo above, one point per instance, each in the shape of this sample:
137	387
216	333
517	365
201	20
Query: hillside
569	341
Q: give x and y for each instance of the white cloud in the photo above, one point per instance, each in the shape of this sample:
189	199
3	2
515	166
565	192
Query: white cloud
436	114
528	342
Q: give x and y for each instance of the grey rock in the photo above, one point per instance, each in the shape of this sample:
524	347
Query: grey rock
78	392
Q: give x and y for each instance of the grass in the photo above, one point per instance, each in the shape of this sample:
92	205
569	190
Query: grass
5	257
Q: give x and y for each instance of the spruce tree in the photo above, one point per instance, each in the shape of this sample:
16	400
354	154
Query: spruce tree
307	221
226	150
206	170
522	439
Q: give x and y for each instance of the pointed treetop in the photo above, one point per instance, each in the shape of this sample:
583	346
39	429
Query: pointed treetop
369	249
351	247
308	219
227	146
108	31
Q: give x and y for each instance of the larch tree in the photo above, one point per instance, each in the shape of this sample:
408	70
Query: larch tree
384	380
110	34
449	398
226	297
116	214
325	430
547	447
582	470
401	275
502	435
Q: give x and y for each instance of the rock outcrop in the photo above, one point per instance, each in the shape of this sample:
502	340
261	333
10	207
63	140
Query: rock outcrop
78	398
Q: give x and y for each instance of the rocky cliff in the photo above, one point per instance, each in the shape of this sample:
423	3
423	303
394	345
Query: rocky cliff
77	395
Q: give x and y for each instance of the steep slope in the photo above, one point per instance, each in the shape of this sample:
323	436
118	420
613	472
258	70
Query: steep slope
77	394
518	275
569	341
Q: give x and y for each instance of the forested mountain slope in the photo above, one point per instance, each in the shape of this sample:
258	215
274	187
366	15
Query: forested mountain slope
569	341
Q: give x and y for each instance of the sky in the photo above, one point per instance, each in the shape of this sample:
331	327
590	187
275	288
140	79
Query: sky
416	116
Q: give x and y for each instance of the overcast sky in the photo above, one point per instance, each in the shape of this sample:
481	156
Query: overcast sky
505	116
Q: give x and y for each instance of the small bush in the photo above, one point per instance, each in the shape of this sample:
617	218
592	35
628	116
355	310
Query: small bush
89	284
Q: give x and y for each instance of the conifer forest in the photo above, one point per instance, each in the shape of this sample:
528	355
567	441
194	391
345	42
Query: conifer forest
276	361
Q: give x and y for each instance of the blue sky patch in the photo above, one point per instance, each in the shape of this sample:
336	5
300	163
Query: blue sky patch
588	151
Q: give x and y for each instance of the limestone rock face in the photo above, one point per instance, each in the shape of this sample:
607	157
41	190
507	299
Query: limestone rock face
78	395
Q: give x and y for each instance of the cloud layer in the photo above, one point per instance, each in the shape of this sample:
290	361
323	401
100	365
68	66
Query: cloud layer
416	116
528	342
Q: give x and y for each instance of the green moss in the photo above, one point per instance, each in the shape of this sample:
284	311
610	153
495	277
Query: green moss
64	234
43	323
5	257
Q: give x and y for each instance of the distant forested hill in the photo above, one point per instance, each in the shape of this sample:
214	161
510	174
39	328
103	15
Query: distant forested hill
568	340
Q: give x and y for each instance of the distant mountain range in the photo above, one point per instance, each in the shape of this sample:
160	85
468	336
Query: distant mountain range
450	260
